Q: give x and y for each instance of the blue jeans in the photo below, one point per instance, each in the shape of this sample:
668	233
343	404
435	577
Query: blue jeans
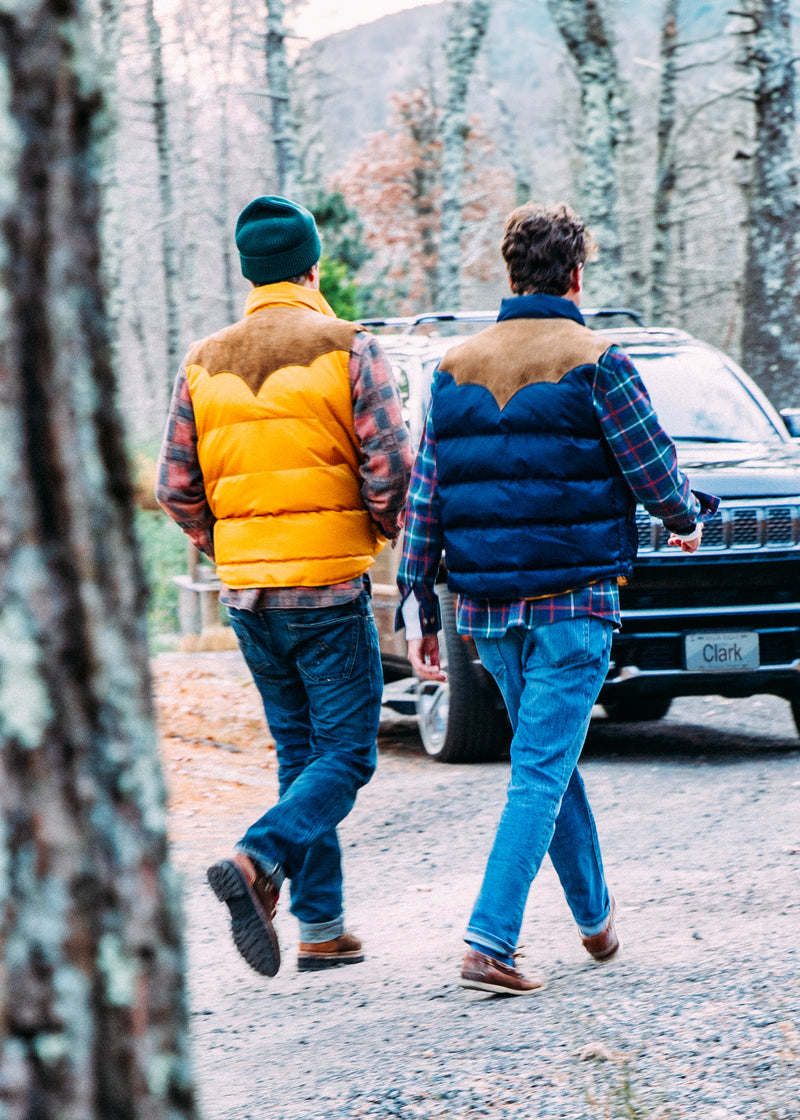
318	671
550	677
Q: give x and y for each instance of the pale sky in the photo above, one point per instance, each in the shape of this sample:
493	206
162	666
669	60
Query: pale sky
318	18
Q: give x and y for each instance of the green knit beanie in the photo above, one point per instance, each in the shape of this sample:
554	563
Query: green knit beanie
276	239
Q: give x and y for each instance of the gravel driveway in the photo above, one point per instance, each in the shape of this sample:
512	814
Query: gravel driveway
699	1017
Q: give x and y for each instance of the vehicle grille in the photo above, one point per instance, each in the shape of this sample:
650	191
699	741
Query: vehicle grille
751	526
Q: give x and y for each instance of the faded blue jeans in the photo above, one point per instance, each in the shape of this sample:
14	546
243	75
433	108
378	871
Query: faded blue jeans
318	671
550	677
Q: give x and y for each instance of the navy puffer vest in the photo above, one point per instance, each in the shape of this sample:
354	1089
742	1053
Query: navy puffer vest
532	500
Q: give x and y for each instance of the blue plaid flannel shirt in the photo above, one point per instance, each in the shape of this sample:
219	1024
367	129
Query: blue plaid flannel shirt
647	458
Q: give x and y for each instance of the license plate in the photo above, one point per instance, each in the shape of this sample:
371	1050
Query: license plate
725	652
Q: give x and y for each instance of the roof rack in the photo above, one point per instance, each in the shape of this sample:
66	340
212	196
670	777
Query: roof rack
610	312
407	324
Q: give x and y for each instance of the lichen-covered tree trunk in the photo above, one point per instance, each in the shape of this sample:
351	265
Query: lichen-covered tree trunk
191	181
166	194
665	163
771	284
508	143
426	180
280	101
92	1011
108	47
469	21
585	30
222	70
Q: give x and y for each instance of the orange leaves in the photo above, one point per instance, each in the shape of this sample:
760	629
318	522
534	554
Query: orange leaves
395	184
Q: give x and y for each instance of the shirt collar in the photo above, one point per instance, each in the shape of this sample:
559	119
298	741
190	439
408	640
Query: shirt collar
539	306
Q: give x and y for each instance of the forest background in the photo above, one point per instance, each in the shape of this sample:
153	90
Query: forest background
659	101
670	125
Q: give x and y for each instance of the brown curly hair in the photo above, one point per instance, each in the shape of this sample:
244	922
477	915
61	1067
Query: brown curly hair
542	246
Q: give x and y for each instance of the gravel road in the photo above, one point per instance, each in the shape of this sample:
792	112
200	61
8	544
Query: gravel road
699	1016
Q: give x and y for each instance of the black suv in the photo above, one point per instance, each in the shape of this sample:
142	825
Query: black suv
725	620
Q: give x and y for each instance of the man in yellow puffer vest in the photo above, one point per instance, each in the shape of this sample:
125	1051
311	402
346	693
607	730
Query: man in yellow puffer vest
286	460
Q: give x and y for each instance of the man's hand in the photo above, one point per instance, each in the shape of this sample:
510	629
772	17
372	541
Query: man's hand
423	653
684	545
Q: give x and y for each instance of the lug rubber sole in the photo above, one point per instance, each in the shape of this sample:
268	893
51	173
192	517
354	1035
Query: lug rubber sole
253	932
498	989
317	962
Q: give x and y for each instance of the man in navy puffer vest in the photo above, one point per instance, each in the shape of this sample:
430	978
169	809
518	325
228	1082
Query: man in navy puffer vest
539	441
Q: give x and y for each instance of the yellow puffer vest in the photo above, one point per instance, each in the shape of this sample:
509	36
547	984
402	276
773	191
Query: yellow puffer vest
277	446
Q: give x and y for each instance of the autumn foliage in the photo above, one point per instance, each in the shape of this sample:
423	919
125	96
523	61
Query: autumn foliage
395	185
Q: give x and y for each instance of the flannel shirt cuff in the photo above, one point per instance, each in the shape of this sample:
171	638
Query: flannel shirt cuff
429	616
688	528
693	536
709	504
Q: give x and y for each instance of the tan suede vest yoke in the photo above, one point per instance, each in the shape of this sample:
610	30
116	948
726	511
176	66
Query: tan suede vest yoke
514	353
269	340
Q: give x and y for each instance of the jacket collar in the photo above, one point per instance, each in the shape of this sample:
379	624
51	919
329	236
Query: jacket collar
286	294
539	306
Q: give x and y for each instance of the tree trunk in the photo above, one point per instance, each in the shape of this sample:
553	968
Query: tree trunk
423	121
584	30
191	181
109	46
507	140
771	285
469	21
166	194
222	70
278	81
665	164
93	1015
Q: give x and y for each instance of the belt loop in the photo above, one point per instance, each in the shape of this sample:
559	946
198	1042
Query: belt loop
367	584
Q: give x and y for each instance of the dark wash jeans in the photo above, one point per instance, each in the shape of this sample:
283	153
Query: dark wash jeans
318	671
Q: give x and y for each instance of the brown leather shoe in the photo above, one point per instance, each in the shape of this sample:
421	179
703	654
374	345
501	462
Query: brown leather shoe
251	897
605	944
488	975
314	955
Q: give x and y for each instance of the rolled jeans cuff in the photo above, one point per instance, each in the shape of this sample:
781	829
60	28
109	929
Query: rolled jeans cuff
268	866
313	933
490	942
590	931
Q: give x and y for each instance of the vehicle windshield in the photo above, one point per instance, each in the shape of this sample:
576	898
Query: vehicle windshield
697	397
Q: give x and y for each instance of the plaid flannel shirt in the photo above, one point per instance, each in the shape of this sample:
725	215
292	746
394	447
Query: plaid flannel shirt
647	458
387	457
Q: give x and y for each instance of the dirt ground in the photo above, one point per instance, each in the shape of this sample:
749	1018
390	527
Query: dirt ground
218	757
699	1017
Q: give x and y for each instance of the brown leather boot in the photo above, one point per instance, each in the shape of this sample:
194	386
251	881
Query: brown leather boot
605	944
251	897
488	975
315	955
